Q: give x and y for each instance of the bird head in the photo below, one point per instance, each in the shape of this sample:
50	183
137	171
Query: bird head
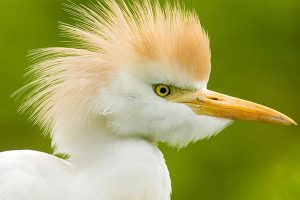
141	68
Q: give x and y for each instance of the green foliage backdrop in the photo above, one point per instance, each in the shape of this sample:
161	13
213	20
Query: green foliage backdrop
256	55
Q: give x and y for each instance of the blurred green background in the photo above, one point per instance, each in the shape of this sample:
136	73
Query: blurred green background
256	55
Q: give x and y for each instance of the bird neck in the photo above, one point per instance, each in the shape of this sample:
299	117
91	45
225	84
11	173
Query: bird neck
91	140
124	166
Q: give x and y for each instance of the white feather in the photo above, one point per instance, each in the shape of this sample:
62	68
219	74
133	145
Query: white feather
111	168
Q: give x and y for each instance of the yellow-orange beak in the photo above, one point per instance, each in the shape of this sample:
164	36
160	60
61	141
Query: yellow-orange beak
205	102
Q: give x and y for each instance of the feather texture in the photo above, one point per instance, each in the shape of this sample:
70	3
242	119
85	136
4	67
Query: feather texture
107	35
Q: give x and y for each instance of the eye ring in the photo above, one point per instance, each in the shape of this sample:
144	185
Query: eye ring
162	90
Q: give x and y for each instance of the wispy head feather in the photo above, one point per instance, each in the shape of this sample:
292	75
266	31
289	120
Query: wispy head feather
105	36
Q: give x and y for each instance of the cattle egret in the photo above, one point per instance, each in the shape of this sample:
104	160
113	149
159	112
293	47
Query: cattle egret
136	75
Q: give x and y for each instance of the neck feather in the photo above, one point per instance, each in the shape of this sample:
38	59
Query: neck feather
80	138
94	140
95	152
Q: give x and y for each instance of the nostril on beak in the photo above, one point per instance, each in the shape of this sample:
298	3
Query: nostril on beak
213	98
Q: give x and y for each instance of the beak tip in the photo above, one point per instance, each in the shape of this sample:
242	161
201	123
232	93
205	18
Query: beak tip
291	122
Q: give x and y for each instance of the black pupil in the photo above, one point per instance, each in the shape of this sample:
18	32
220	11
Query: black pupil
163	90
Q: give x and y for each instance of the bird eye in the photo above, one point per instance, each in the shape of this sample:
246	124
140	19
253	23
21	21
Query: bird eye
162	90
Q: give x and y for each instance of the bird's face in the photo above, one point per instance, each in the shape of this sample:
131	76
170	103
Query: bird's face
146	72
171	107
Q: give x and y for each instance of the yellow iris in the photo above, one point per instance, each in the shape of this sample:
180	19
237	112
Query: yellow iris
162	90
